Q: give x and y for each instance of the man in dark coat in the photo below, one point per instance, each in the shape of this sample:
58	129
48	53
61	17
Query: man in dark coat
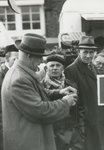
82	72
27	112
10	53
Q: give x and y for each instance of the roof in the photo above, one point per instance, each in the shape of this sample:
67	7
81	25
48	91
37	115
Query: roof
83	6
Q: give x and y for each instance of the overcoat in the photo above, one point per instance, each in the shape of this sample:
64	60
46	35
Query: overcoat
3	71
27	113
86	82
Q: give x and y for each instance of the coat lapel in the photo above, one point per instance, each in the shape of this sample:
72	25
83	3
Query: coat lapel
84	68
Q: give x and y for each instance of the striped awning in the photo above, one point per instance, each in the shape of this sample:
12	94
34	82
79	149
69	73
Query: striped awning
68	38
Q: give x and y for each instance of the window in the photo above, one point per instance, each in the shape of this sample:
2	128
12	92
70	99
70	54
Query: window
30	17
8	18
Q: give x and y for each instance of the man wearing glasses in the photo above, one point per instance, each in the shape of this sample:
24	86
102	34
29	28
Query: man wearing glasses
99	63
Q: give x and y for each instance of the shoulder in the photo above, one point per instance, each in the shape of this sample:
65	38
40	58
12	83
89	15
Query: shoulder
70	69
71	66
69	82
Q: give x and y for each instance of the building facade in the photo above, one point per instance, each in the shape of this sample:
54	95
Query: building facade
35	16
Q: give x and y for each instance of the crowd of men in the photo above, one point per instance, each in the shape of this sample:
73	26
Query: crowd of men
58	112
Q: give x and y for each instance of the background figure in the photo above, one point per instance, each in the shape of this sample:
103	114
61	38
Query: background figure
98	61
65	132
99	66
41	72
82	72
10	55
27	112
99	42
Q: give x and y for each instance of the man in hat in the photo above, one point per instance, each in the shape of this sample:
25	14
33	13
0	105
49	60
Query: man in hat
64	130
27	112
11	53
82	72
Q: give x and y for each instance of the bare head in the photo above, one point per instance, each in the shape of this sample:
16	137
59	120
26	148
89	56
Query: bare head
11	57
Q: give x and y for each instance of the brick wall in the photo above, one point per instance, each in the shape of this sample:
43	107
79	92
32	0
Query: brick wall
52	11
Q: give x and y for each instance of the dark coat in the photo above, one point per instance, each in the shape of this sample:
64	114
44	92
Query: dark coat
27	113
79	73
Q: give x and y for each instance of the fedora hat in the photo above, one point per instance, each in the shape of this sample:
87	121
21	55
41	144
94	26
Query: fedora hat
32	44
86	42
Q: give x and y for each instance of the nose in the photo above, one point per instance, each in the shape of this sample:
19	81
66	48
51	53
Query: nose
55	67
88	54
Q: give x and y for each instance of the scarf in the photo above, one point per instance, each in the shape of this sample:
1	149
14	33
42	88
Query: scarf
52	83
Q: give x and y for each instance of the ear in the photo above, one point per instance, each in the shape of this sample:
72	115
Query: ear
63	67
28	56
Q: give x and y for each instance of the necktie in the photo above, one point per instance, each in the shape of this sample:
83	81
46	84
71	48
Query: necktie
92	69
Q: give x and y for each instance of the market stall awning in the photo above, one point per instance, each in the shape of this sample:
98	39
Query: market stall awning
93	16
71	36
76	35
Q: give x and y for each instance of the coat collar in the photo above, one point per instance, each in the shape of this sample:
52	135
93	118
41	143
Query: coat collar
28	70
84	68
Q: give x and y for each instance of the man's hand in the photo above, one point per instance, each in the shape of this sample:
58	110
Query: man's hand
71	99
67	90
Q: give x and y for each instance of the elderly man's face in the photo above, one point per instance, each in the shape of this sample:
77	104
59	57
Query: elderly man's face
99	63
86	55
54	69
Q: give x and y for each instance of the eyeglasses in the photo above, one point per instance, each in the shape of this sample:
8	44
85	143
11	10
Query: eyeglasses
98	63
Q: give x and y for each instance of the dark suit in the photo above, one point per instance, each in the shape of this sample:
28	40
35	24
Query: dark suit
79	73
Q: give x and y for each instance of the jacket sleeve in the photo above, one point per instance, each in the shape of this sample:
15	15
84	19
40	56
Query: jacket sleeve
53	94
33	106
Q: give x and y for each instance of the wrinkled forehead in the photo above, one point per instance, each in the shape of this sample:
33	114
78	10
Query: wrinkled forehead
54	63
87	50
14	54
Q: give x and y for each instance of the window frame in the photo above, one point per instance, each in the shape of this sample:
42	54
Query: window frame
18	32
